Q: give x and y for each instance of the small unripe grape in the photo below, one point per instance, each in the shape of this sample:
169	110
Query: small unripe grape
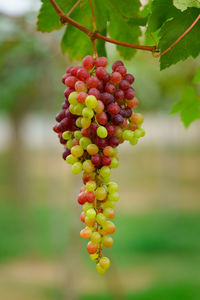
109	227
99	269
112	187
102	132
105	179
72	98
137	118
85	122
104	262
92	248
100	218
77	168
87	113
138	133
77	134
100	193
127	135
71	159
114	163
78	122
78	108
107	241
77	151
134	141
91	186
109	204
91	213
69	144
92	149
87	206
84	142
88	167
95	237
86	233
109	213
91	102
105	171
94	256
66	135
113	196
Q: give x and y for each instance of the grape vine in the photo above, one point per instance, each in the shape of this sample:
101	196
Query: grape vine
98	114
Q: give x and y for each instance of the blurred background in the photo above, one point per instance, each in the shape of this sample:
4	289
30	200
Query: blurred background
156	252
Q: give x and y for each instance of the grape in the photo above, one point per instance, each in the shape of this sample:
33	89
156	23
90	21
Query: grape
77	168
102	132
96	116
100	72
88	62
101	62
91	102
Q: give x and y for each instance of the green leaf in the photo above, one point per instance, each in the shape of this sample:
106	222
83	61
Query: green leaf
119	28
188	106
196	78
162	10
172	30
184	4
48	19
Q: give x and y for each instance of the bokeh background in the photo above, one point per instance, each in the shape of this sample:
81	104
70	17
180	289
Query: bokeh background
156	252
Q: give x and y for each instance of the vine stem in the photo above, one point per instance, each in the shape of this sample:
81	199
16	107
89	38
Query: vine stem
94	28
180	37
95	35
73	7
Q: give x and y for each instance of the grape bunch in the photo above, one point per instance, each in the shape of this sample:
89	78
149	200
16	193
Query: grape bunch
97	115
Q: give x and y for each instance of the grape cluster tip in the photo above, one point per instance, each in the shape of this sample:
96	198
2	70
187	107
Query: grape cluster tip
98	114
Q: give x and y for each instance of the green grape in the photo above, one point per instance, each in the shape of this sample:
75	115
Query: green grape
127	135
71	109
113	196
78	134
66	135
70	144
78	109
105	179
109	204
114	163
72	98
85	123
77	151
102	132
88	113
91	101
134	141
99	269
94	256
101	219
104	263
100	193
105	171
78	122
88	167
87	206
143	132
91	213
112	187
77	168
90	186
138	133
95	237
70	159
84	142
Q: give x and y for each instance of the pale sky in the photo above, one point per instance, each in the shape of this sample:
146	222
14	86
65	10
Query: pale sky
18	7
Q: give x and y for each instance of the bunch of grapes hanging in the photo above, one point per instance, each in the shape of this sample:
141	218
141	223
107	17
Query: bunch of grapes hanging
97	116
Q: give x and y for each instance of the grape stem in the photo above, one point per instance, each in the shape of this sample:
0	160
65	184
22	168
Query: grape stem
94	28
94	35
73	7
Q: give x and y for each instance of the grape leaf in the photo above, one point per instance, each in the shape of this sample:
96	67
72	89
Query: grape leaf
48	19
172	30
196	78
184	4
162	10
119	28
188	106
